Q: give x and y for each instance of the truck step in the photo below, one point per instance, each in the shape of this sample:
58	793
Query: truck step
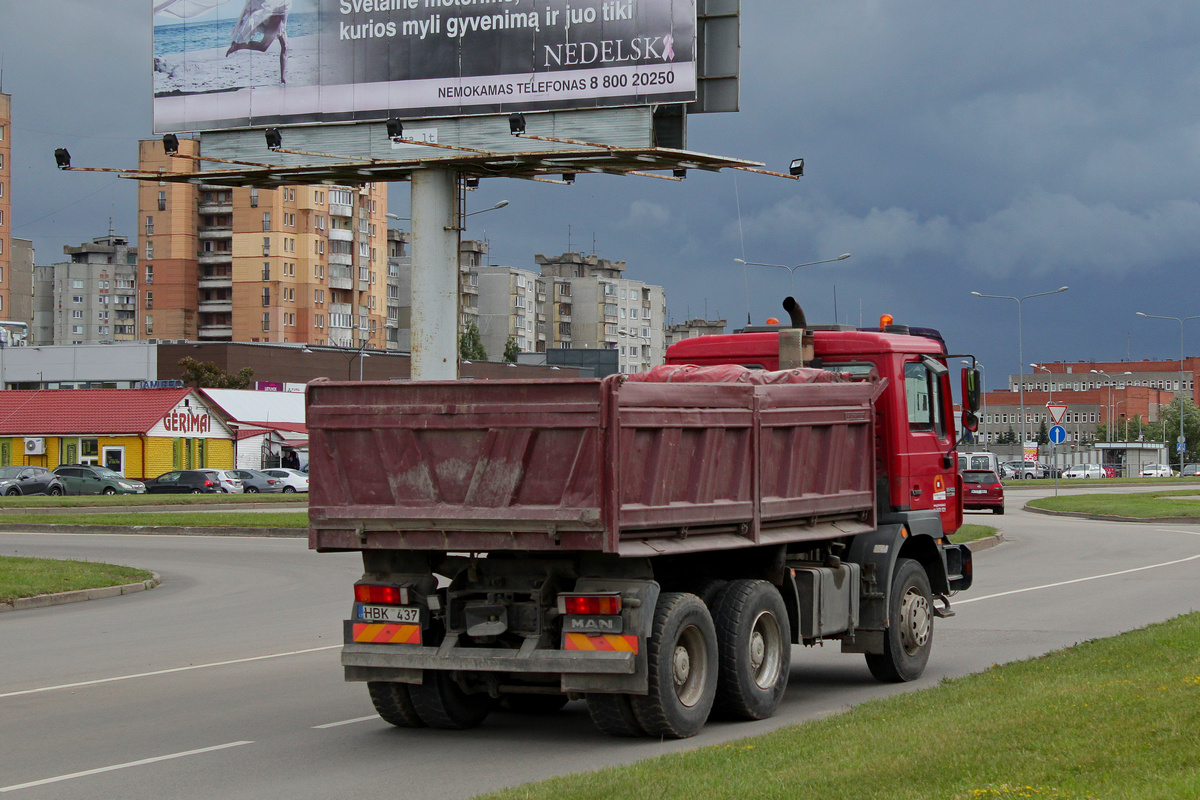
944	610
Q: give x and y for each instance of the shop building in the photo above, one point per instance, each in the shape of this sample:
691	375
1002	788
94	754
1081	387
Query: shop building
140	433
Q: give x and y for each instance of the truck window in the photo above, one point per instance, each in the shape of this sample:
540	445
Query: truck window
921	393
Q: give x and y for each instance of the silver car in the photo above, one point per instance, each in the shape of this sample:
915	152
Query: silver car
230	482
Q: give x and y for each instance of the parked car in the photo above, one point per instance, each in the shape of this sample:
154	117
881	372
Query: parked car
293	479
981	460
1156	471
254	481
29	480
982	490
1190	471
186	481
92	479
1084	471
230	482
1024	469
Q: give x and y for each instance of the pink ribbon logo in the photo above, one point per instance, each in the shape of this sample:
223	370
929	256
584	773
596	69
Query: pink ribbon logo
669	45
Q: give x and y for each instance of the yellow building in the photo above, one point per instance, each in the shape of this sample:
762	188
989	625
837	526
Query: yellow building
140	433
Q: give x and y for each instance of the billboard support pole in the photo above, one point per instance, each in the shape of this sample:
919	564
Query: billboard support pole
435	232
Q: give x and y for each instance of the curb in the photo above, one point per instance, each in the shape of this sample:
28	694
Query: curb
1113	517
159	530
986	543
79	595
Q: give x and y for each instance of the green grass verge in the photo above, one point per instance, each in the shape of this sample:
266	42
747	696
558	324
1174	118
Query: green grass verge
970	533
1113	719
28	577
105	501
1141	505
181	519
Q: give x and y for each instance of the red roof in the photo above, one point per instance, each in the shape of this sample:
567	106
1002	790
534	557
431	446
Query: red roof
67	412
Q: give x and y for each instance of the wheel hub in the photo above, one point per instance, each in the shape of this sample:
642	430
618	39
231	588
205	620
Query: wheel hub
682	665
915	621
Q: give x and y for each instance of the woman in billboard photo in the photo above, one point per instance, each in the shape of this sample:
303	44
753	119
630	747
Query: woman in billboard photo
261	23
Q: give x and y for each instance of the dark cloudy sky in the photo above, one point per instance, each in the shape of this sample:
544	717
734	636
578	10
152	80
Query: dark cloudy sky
1004	147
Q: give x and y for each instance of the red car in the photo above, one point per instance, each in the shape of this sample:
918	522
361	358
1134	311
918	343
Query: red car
982	490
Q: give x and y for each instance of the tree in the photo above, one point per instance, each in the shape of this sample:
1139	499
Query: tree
1007	437
1167	428
470	345
511	350
207	375
1043	434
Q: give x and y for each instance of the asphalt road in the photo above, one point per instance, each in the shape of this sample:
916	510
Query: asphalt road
224	681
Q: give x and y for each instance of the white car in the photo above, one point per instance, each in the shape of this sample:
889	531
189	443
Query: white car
1156	471
230	482
1084	471
293	479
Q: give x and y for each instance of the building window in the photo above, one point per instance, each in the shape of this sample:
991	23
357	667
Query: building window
149	226
266	296
254	197
266	220
149	274
162	201
149	300
266	271
266	245
266	320
149	250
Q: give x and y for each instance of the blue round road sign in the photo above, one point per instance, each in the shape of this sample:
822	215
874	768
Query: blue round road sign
1058	434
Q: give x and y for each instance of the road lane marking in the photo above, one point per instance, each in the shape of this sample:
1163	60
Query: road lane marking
139	763
344	722
168	671
1077	580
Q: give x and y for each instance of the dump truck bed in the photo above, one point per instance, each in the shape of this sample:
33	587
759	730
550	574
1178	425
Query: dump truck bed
607	466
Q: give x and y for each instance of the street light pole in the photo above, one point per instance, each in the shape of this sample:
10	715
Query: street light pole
1021	347
792	270
1180	393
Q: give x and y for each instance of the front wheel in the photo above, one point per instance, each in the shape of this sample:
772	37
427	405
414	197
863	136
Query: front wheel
909	635
109	490
755	649
682	658
251	490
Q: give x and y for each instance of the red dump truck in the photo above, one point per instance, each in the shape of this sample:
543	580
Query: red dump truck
653	546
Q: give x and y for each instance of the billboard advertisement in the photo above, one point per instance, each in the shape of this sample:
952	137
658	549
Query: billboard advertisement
239	63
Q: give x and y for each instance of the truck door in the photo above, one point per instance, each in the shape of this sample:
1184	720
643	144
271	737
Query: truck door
930	483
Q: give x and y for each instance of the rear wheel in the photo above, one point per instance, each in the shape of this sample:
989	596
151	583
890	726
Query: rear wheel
998	510
755	650
613	714
289	489
394	704
55	491
196	491
909	636
441	703
682	660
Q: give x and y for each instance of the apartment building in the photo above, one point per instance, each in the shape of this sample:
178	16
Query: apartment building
605	309
90	299
693	328
512	303
6	246
303	263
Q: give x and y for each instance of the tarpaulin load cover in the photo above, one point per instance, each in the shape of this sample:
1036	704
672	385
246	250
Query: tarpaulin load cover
731	373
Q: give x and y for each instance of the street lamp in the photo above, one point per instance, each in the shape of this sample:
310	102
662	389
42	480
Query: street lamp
983	394
1180	393
1044	368
1021	347
1111	382
791	270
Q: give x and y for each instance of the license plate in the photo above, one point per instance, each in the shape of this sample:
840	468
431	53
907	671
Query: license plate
404	614
979	491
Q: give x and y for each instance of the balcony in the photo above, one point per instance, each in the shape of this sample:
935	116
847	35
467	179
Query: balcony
343	259
216	332
341	235
220	207
215	282
215	307
216	257
340	210
214	232
339	278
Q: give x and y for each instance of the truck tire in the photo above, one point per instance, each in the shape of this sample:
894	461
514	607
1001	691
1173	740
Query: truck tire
441	703
394	704
682	660
754	648
709	591
613	714
909	636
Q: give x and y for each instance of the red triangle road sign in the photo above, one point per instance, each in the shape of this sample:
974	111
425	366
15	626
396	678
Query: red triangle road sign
1057	412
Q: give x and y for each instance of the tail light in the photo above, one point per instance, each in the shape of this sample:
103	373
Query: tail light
209	483
380	595
589	604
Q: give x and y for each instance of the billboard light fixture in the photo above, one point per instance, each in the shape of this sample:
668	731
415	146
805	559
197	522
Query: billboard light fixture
568	177
797	167
62	158
516	124
472	183
170	143
395	129
679	173
274	139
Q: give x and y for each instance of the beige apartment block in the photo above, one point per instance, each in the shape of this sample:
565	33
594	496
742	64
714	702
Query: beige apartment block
6	245
303	263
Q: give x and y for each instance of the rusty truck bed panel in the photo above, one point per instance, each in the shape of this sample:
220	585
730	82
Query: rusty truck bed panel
586	465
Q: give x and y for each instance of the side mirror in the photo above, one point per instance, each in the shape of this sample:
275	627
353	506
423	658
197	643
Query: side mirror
970	422
970	391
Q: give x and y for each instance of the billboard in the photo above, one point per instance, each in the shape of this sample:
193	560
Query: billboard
239	63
